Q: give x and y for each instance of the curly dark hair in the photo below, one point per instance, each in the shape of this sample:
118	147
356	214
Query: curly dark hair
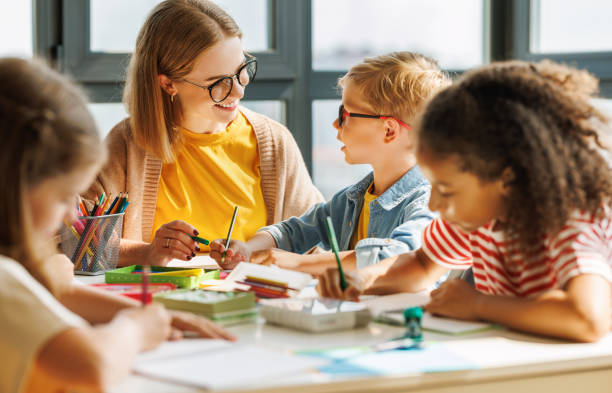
535	119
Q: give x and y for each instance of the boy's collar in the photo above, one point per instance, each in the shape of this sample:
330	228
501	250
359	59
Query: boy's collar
395	194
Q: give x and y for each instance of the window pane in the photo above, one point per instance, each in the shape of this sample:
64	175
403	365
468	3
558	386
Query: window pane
330	172
16	28
346	31
109	36
109	114
273	109
563	26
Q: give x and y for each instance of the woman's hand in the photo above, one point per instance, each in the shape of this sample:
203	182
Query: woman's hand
455	299
237	252
172	240
184	321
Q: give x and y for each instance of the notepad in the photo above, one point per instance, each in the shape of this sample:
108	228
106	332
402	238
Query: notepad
197	262
390	309
215	364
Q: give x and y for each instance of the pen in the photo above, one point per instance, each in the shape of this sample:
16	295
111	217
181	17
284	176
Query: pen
229	235
146	270
334	246
200	240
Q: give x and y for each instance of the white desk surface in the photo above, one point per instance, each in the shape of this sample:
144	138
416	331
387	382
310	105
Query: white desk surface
509	362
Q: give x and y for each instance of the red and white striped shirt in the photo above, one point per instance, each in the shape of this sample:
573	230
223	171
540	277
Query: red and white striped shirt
584	246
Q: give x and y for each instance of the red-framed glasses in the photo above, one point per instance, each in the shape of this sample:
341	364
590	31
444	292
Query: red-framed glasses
342	114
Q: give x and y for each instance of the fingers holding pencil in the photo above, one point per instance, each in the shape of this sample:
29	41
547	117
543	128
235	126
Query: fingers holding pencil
173	240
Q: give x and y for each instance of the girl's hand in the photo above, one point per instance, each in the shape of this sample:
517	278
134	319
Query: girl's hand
236	253
455	299
184	321
172	240
329	285
153	322
278	257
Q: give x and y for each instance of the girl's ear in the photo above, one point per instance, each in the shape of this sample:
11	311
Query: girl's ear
167	84
392	129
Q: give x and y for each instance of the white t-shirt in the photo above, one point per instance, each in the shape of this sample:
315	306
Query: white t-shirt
30	317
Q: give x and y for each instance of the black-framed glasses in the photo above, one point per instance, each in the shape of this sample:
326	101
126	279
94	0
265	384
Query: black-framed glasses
220	89
342	114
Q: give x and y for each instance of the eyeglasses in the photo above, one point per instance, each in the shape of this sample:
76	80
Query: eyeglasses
342	114
221	89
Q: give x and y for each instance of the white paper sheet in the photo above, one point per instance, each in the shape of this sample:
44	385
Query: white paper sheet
213	364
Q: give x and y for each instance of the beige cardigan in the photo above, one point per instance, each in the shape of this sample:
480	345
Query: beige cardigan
285	182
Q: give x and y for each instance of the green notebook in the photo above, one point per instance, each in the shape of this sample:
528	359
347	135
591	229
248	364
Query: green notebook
127	275
206	303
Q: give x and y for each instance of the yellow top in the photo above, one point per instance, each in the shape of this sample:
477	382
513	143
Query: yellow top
212	174
361	232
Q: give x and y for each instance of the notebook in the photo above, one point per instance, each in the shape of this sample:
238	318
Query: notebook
215	364
293	279
390	309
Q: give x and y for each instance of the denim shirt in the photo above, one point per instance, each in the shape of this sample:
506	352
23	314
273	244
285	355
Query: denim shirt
397	220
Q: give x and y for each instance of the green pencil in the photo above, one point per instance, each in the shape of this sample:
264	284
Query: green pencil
200	240
334	246
229	235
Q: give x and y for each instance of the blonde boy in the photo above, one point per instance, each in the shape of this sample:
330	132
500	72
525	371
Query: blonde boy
384	213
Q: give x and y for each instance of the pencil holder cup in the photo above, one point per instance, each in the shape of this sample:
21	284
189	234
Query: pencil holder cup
92	243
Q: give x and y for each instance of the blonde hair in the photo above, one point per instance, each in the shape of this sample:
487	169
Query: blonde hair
174	34
397	83
46	131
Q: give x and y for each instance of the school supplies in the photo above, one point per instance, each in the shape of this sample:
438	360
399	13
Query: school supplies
412	319
269	277
229	234
390	309
222	307
200	240
146	270
132	274
92	241
334	246
134	291
315	315
199	261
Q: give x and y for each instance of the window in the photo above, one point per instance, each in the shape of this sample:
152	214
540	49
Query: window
106	35
16	29
569	26
346	31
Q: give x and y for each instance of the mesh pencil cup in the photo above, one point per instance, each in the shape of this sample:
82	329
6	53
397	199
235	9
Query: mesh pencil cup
92	243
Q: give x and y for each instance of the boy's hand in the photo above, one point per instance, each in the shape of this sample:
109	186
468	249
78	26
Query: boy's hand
184	321
455	299
153	321
172	240
278	257
329	285
237	252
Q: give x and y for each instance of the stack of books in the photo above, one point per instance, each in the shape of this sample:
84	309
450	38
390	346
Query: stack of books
225	308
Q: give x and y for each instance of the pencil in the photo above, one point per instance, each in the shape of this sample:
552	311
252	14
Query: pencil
146	270
334	246
229	234
200	240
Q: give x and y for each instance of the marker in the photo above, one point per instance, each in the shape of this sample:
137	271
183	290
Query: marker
229	235
200	240
334	246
